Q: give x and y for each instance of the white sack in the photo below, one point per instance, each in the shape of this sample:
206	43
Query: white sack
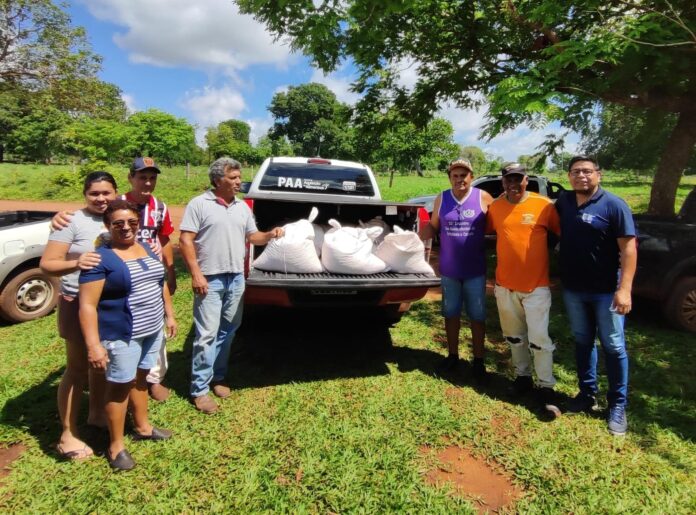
404	253
348	250
377	222
294	252
318	238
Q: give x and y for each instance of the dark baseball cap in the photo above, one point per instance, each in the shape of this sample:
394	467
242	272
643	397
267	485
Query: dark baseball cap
144	163
512	169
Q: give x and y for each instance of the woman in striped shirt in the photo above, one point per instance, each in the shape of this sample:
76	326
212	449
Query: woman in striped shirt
124	302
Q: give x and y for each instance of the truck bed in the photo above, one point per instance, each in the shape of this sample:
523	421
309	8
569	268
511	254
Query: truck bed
327	279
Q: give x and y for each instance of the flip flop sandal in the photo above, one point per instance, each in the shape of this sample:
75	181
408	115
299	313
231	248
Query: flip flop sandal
76	455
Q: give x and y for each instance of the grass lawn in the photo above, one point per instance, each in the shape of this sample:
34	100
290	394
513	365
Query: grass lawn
37	182
328	418
330	414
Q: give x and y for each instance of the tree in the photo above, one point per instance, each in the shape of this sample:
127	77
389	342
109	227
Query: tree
534	162
268	147
560	161
630	138
162	136
533	62
36	135
39	47
313	121
240	130
97	139
393	142
231	138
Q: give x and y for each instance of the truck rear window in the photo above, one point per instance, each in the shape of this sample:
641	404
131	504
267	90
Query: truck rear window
317	178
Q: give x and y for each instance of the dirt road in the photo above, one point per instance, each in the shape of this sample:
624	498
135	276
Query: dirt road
177	212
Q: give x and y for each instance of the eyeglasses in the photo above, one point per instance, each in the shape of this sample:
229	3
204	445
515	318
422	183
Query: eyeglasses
581	171
120	224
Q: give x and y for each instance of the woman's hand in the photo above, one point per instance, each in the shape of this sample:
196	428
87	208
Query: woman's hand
97	357
171	327
88	260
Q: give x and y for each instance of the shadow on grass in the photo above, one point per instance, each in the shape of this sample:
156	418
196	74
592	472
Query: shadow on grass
34	411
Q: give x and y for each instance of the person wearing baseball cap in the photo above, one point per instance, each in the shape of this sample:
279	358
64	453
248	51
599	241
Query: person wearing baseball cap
459	218
155	229
141	164
522	220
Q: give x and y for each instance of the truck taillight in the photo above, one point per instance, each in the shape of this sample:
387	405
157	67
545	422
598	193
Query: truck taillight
318	161
424	218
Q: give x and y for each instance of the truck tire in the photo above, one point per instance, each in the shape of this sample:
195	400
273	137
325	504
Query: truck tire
28	295
680	308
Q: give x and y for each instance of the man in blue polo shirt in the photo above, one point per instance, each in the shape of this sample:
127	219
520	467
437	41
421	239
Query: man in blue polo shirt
598	261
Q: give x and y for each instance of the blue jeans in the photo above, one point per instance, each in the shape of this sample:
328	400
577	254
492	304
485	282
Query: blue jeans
217	316
469	294
591	315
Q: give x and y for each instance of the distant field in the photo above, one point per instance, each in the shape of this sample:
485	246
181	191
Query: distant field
40	182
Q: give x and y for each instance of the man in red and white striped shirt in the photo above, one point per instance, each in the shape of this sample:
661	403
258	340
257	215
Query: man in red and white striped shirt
155	228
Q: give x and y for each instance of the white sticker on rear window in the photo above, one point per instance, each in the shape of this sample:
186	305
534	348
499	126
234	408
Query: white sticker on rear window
349	185
289	182
391	210
312	184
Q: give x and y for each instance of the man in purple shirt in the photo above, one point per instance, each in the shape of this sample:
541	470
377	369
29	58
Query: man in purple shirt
459	218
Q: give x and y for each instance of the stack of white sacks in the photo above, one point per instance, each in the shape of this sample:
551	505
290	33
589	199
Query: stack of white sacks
369	249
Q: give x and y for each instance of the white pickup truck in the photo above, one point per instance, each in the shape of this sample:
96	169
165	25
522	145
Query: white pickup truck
285	189
25	292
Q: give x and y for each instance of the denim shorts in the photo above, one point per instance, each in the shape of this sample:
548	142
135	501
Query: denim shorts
125	358
464	293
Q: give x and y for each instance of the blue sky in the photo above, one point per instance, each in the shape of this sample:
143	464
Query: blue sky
204	61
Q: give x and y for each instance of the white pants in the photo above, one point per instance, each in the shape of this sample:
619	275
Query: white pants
524	320
157	372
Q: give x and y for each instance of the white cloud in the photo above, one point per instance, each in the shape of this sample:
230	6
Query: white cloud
340	85
129	100
209	106
407	73
259	128
209	35
523	140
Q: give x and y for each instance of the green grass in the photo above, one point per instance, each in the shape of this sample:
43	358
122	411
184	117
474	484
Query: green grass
34	182
325	417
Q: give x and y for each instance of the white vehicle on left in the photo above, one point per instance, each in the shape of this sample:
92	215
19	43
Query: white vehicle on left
26	292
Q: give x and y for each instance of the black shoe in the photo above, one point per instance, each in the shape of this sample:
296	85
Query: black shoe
122	461
157	434
522	385
547	398
478	370
449	365
582	403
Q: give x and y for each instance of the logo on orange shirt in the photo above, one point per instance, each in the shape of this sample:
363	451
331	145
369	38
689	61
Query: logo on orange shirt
528	219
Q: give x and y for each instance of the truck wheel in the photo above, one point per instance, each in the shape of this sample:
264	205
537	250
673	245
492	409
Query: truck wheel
28	295
681	305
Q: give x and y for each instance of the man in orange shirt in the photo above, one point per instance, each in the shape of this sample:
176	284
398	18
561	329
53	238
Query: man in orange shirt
521	220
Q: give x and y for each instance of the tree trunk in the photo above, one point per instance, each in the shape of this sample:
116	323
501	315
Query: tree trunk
418	168
674	159
2	153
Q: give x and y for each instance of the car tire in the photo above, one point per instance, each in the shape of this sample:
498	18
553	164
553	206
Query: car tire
28	295
680	308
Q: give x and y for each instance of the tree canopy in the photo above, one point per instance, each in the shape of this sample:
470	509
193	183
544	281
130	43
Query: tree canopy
534	62
39	47
312	119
